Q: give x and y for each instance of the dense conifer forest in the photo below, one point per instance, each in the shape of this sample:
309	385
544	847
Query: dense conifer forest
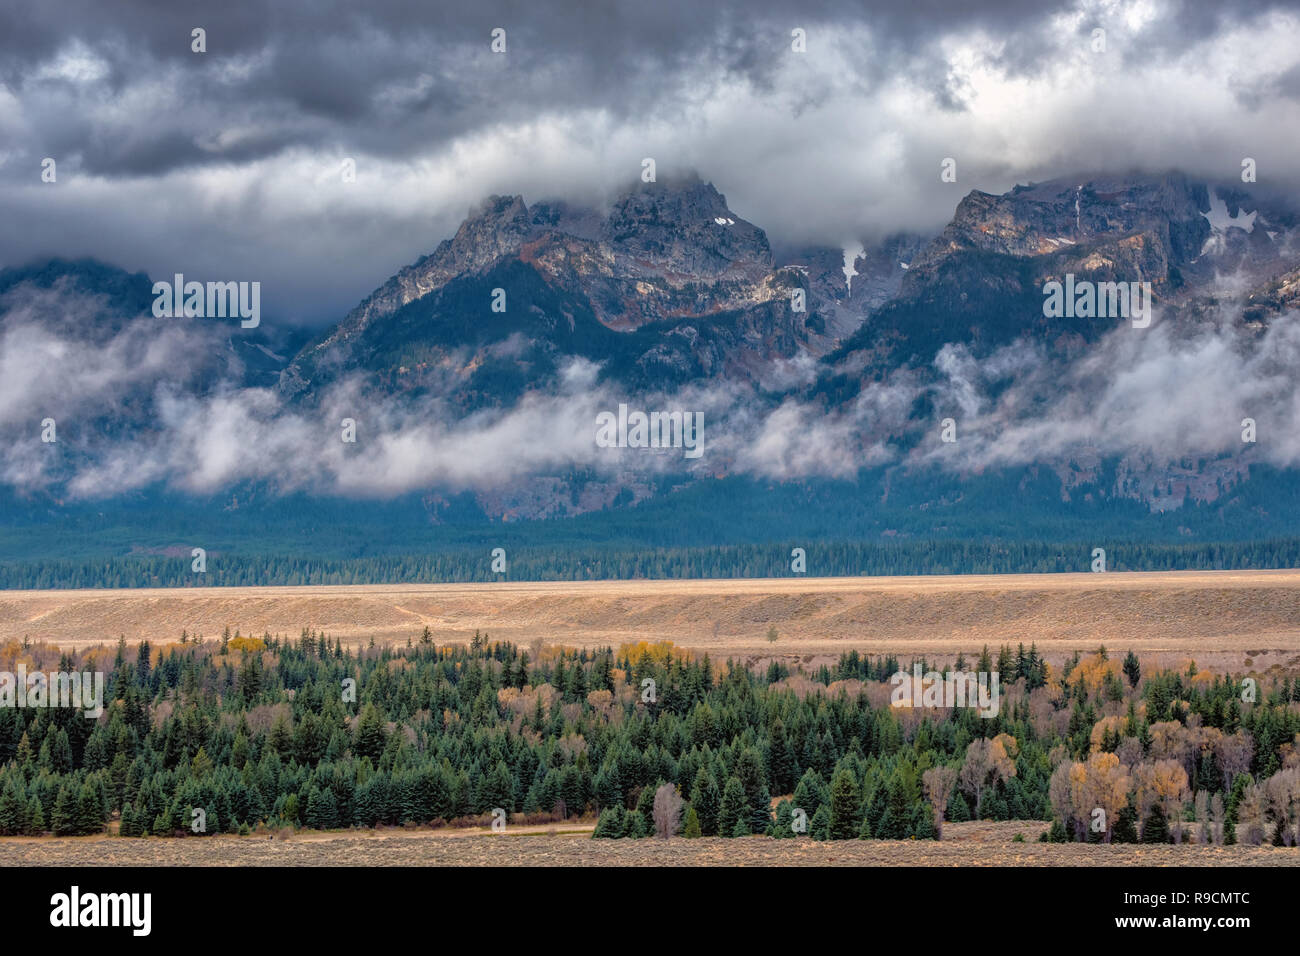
271	732
1017	521
611	563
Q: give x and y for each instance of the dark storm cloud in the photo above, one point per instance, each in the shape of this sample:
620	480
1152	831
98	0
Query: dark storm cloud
320	69
220	159
1288	84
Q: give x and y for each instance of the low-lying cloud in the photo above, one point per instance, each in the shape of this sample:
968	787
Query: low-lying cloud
154	405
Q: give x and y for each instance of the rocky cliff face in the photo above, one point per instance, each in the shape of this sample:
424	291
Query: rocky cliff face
980	281
1166	230
689	286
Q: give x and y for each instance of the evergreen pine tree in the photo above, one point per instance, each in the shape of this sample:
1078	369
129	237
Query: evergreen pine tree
733	806
371	738
845	822
811	792
782	828
819	827
1125	826
610	824
706	800
23	756
322	809
637	826
758	801
645	804
691	828
63	818
1156	828
1132	669
958	808
923	828
89	813
12	806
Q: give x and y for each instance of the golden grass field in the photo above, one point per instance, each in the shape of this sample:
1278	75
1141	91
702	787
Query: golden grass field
1225	619
983	843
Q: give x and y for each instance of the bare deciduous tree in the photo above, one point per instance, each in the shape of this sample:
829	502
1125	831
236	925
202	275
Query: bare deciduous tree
1129	751
1204	829
1170	740
1250	811
1281	794
1058	792
1163	782
1108	787
986	763
938	782
1217	818
667	811
1234	753
1170	782
1078	789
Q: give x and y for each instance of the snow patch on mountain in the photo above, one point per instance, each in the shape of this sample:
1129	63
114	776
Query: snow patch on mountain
1220	222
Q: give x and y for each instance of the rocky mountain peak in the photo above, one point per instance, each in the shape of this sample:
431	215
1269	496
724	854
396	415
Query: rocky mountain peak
684	225
495	228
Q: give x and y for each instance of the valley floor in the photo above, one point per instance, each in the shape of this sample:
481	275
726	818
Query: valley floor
965	844
1227	619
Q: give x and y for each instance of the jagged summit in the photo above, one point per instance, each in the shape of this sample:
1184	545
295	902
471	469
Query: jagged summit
691	289
668	254
665	287
684	227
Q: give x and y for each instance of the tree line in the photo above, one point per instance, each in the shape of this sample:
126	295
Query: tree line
242	733
534	563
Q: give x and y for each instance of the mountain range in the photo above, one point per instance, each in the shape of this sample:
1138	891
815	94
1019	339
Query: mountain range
916	381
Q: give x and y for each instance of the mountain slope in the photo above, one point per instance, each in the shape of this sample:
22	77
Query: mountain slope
669	299
666	286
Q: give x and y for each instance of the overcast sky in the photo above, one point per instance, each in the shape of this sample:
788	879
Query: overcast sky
226	164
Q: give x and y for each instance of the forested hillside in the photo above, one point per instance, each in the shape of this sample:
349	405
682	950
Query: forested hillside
1018	521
